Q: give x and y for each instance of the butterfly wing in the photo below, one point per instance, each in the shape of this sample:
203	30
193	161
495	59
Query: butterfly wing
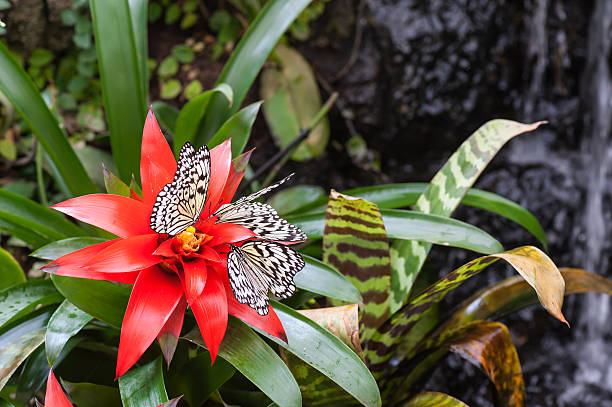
179	203
257	267
262	219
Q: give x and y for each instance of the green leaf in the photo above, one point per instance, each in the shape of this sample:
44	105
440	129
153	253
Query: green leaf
444	193
434	399
293	199
40	57
124	97
168	67
294	101
61	247
92	395
69	17
170	89
193	89
143	386
173	13
238	128
401	195
51	223
326	353
155	12
166	115
198	378
188	120
19	341
324	279
183	53
355	242
94	160
393	196
402	224
101	299
113	184
21	92
66	321
247	59
252	357
23	229
188	20
11	273
24	298
138	15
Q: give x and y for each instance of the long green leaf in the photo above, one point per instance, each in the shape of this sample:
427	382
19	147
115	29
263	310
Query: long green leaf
100	299
252	357
139	17
444	193
66	321
326	353
238	128
59	248
18	342
321	278
24	298
92	395
190	116
19	89
29	231
11	273
122	84
198	378
392	196
402	224
53	224
247	59
143	386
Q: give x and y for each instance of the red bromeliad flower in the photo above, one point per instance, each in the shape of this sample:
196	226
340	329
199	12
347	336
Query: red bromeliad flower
184	243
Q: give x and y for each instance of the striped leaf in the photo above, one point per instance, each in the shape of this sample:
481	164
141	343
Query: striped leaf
355	242
444	193
528	261
434	399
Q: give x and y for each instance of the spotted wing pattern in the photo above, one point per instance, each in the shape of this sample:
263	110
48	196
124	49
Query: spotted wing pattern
259	266
262	219
179	203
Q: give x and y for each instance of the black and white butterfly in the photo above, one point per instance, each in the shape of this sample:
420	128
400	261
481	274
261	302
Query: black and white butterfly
179	203
261	218
260	266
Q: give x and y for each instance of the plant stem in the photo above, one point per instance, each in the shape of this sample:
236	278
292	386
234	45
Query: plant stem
279	159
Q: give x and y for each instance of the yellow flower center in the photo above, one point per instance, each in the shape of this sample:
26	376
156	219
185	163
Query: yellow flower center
191	240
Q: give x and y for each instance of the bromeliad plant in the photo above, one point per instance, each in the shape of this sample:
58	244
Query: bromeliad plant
170	242
184	242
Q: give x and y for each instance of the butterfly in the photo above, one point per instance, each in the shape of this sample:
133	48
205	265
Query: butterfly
254	267
259	266
180	203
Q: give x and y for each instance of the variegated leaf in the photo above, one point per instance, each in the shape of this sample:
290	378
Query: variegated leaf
355	242
444	193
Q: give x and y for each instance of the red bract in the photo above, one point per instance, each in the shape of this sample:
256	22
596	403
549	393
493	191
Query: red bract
167	272
55	397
